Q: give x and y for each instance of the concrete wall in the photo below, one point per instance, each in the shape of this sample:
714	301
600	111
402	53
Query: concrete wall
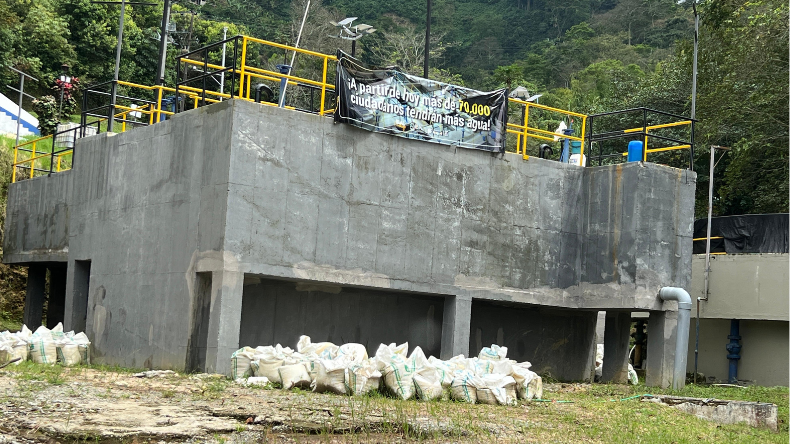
764	352
312	200
280	311
169	219
743	286
143	203
37	219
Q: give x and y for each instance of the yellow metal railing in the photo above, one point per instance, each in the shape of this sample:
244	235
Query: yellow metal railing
645	150
524	131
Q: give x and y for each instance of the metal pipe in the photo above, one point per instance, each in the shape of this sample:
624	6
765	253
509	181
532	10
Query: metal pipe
734	351
111	117
284	85
428	41
694	63
160	71
682	333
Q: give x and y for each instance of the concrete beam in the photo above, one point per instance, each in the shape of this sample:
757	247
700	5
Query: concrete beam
34	296
224	322
615	347
661	337
456	324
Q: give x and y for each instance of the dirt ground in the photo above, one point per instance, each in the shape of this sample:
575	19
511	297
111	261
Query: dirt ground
48	405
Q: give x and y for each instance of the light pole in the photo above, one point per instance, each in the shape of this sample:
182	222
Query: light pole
353	33
114	89
427	40
65	79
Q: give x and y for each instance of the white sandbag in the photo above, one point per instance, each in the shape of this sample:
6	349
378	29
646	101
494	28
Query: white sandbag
294	375
21	351
385	354
464	388
535	388
399	379
501	387
428	384
632	376
323	350
240	363
444	371
363	377
486	395
42	348
267	368
68	353
84	347
355	353
331	376
493	353
253	381
5	351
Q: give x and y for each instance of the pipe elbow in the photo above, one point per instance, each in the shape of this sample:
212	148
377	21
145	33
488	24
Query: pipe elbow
676	294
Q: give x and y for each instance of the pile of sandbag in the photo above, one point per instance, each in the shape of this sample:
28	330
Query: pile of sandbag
45	346
489	378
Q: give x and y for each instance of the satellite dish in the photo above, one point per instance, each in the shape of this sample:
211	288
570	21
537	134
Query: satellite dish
362	27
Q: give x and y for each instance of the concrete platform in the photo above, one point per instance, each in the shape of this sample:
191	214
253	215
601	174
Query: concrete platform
238	223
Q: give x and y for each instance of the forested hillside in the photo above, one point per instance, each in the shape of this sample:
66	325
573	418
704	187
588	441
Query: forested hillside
585	55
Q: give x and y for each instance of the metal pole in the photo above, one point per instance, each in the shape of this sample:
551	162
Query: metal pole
160	72
111	120
694	63
353	48
60	107
293	57
710	217
19	114
427	40
222	75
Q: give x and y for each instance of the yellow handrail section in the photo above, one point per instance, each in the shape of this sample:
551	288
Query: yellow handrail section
524	131
34	155
653	127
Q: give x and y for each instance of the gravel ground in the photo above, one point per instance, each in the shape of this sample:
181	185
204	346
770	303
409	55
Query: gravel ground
49	404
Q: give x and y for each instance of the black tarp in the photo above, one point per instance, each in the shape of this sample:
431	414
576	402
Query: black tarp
748	233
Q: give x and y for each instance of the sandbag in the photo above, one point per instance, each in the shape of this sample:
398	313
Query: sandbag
399	379
355	353
493	353
42	348
267	368
535	388
428	384
486	395
331	376
84	347
501	387
323	350
385	354
240	363
294	375
68	353
464	388
363	377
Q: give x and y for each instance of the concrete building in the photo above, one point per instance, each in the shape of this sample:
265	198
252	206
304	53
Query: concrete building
241	224
752	288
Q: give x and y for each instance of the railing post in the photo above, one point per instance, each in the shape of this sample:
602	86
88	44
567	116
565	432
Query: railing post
526	122
644	132
584	128
13	172
243	65
323	88
33	157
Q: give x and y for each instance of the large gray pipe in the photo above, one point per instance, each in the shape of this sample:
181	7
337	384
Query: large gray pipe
682	336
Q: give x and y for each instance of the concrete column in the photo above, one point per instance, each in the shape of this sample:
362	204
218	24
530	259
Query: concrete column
615	347
456	324
57	295
34	296
224	320
661	337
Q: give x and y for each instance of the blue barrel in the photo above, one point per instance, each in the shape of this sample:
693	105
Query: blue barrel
635	151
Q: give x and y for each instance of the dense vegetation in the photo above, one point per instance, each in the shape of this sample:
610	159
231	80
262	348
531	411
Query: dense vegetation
585	55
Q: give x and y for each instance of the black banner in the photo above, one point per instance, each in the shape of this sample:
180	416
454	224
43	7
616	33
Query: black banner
390	101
